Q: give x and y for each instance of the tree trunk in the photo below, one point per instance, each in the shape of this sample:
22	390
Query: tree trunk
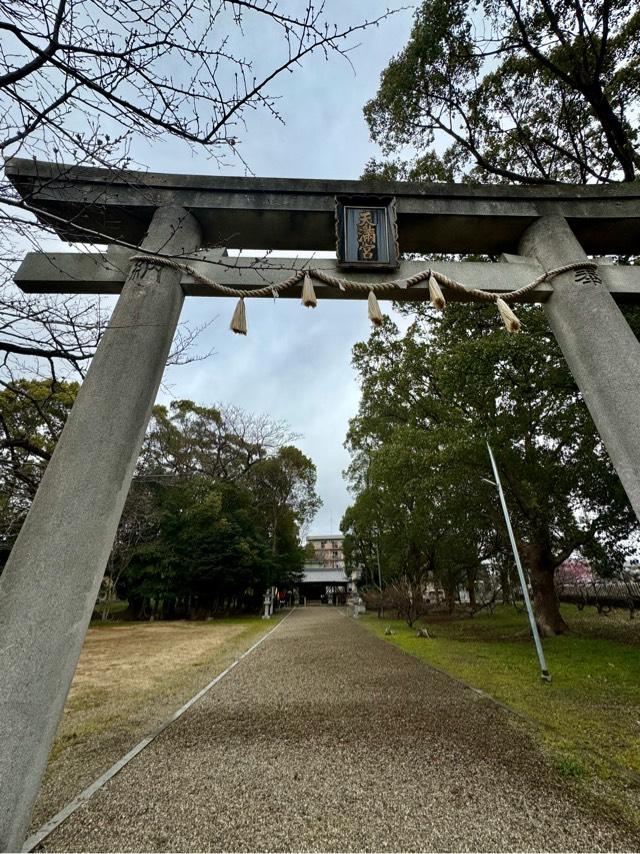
545	600
450	595
613	129
275	533
505	582
413	560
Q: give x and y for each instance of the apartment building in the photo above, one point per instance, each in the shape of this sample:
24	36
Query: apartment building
327	551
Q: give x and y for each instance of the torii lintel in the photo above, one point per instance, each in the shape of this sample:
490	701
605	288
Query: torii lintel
95	205
106	273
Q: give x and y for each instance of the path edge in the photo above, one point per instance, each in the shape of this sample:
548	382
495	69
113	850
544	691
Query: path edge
628	773
55	821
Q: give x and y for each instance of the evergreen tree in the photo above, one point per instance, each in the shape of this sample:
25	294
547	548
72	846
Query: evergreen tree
430	401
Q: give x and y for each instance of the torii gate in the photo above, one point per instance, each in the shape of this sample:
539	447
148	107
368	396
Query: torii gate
50	583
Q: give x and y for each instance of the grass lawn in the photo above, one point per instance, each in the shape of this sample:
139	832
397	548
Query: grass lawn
588	718
130	678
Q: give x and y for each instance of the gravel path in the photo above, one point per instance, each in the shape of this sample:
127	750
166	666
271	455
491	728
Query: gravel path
329	739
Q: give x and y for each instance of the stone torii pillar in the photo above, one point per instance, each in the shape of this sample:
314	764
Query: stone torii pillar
601	350
51	580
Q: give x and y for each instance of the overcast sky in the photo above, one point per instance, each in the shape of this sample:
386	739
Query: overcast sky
295	363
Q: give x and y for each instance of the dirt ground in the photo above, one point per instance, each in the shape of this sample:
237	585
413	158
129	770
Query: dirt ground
130	678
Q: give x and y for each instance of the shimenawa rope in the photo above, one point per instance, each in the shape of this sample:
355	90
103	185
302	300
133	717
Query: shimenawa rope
435	280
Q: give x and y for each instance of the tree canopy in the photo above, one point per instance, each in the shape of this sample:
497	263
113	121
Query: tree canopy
32	415
214	513
431	399
506	91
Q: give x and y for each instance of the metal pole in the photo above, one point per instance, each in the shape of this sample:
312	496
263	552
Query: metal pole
51	580
523	583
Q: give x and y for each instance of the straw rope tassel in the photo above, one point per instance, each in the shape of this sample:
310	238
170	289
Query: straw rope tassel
466	294
239	319
435	294
308	294
375	315
509	319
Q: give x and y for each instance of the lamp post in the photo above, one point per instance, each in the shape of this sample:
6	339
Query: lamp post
523	583
379	575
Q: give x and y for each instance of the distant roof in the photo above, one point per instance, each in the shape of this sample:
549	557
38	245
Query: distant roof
325	537
313	575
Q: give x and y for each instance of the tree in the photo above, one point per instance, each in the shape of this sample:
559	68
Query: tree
360	545
206	553
32	415
406	596
452	382
284	486
221	482
138	523
97	83
196	534
414	510
219	442
538	93
204	549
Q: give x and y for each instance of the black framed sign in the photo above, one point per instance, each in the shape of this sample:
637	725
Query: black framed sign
367	232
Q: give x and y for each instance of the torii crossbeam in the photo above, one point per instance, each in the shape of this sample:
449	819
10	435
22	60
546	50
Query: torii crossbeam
50	583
